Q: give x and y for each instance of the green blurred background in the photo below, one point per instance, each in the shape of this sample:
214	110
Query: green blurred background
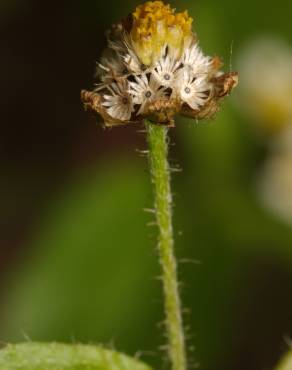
78	262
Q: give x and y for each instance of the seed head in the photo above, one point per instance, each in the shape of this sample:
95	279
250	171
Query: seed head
153	67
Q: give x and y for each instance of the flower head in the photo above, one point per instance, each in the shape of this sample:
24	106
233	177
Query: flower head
153	66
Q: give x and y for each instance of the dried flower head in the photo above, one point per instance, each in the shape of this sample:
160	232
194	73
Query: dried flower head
153	67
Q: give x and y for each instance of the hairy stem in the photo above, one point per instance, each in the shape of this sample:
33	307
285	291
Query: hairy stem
158	151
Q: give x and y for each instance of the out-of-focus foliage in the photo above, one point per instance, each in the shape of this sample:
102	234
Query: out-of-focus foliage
93	267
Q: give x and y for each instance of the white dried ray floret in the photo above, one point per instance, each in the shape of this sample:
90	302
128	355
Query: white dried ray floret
130	58
131	62
119	104
193	90
164	71
194	59
144	91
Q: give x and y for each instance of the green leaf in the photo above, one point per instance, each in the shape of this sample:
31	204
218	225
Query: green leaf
56	356
286	363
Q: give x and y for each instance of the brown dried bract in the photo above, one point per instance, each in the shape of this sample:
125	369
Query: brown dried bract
216	63
208	111
92	101
223	85
163	110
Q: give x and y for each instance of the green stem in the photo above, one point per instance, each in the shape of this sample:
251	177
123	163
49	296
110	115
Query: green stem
158	151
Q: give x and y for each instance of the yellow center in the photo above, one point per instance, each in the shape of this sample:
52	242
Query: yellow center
156	25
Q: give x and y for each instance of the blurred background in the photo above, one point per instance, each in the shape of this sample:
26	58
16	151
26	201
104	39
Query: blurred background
77	261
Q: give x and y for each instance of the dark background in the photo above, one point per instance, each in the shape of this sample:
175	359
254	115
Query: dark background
77	261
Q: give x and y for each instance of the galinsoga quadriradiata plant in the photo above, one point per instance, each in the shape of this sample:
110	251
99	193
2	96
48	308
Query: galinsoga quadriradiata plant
153	69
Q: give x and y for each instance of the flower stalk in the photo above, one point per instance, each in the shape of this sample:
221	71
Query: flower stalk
158	153
153	68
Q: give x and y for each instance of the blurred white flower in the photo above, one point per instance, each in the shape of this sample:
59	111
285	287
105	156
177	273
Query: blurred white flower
265	67
275	180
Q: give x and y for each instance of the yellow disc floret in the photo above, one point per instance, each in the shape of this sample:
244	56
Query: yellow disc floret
155	25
